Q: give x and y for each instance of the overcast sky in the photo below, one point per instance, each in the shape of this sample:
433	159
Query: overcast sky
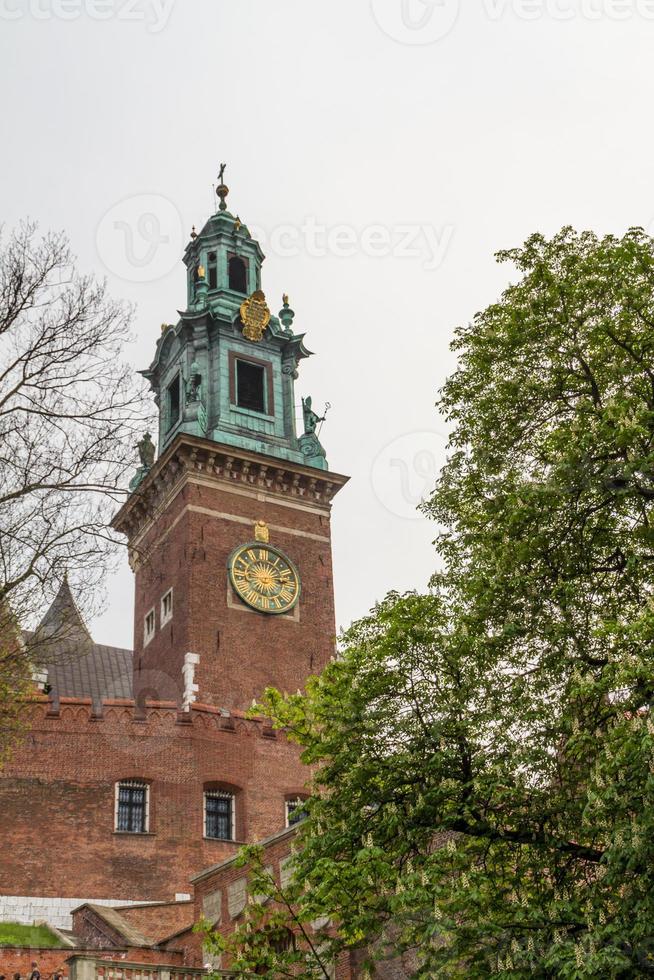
383	150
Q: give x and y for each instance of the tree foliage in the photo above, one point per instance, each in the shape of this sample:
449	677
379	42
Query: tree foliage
69	414
484	785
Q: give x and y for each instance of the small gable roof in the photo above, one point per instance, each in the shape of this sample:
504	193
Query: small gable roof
76	666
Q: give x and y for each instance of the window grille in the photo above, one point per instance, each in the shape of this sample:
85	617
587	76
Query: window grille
132	807
219	815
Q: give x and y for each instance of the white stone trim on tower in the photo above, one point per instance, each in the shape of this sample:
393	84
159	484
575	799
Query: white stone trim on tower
191	660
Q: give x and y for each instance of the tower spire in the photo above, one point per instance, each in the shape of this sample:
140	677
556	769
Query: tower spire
226	370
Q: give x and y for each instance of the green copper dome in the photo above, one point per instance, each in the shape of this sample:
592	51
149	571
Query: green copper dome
226	370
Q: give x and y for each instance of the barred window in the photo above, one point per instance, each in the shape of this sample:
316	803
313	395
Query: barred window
219	815
132	807
295	811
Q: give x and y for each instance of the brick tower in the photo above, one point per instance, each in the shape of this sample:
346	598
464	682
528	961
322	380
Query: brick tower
229	530
152	773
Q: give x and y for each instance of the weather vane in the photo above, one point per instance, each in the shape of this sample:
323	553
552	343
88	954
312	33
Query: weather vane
221	172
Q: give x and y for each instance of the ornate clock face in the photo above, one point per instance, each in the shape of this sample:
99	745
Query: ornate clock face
264	578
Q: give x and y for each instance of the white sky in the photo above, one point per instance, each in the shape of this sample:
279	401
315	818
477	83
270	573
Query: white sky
420	127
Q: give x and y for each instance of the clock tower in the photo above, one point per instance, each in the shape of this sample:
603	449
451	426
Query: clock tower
229	528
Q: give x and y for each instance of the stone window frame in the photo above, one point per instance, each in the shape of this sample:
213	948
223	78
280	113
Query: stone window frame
148	633
165	616
132	782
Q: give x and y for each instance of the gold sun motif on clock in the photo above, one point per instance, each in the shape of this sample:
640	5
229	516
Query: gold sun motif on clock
264	578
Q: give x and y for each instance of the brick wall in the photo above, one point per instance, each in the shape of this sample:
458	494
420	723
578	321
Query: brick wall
19	959
189	946
241	651
57	798
221	893
57	794
159	920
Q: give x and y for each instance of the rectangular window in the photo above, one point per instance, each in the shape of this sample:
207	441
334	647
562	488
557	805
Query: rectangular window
132	807
219	816
166	607
148	627
295	811
174	402
250	386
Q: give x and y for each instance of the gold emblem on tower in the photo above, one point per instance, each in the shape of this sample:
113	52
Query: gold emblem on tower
255	316
261	532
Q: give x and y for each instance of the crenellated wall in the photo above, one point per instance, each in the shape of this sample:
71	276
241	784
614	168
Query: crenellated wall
57	798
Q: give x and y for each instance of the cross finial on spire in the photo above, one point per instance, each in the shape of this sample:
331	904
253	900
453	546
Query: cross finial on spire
222	190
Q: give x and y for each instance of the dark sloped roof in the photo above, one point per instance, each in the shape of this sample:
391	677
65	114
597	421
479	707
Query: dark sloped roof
76	666
62	633
102	672
125	929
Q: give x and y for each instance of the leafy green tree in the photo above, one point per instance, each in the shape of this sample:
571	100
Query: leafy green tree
484	783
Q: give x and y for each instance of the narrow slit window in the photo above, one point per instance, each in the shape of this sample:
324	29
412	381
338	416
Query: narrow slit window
250	386
212	271
148	627
173	402
167	607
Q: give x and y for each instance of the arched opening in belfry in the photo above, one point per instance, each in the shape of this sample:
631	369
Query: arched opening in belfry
237	275
212	272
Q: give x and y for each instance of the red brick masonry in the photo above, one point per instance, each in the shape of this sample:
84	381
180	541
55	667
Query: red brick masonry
57	797
19	959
